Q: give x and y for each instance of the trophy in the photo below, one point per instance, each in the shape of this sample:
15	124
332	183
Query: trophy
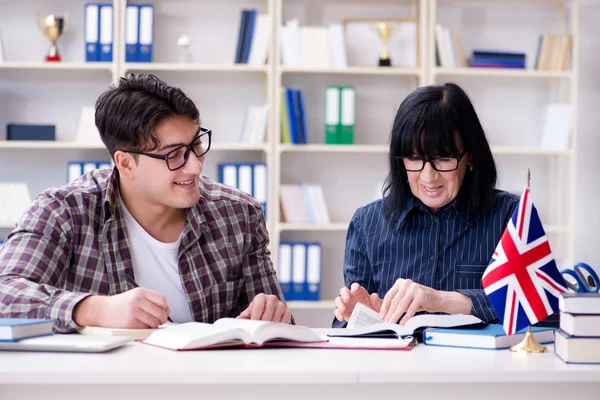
53	27
385	32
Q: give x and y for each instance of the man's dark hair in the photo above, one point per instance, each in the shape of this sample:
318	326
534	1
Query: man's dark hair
434	121
128	112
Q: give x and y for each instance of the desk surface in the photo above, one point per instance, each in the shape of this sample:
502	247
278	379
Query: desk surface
139	363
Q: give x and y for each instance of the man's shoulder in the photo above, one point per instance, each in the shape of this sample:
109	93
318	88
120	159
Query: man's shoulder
81	193
213	193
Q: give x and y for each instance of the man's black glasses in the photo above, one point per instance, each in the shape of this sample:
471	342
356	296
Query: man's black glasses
178	157
441	164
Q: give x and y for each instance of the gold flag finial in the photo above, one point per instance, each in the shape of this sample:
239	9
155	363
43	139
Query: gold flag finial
528	177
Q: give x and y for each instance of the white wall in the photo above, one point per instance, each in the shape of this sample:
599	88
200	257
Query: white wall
588	154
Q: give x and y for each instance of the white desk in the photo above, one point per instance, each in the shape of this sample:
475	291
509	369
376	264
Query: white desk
144	372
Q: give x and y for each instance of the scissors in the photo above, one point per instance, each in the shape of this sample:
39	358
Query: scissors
579	281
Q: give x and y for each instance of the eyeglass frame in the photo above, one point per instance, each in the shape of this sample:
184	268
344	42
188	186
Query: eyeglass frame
458	159
188	148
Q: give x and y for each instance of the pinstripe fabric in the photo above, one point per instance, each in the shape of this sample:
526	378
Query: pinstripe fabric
447	250
72	242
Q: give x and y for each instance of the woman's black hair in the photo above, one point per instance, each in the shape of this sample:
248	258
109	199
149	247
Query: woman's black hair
439	120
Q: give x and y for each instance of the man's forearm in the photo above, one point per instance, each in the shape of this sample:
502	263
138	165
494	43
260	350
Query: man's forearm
456	303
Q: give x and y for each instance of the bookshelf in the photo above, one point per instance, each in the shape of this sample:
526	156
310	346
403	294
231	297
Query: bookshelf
351	175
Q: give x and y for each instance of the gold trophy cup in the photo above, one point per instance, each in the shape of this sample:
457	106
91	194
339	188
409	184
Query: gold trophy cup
384	30
53	27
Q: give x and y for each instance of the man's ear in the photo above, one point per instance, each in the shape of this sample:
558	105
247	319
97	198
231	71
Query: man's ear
125	163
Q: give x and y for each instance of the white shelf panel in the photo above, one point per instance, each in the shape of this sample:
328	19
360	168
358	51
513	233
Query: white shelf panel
194	67
56	66
39	144
333	227
502	72
534	151
334	148
557	229
383	149
402	71
311	305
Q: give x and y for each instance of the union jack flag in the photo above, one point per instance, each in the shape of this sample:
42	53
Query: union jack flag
522	280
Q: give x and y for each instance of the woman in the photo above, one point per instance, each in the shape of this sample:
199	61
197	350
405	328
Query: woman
425	245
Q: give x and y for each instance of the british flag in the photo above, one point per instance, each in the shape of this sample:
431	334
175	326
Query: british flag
522	280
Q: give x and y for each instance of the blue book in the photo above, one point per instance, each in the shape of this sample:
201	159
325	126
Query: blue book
248	35
490	337
13	329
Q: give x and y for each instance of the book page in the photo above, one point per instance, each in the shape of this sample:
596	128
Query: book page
195	335
265	331
363	316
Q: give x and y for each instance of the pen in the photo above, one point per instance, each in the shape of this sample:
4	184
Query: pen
132	283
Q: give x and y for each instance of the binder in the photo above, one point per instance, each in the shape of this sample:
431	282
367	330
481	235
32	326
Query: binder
240	43
346	134
92	31
332	114
300	119
292	116
146	37
248	35
285	119
132	33
228	175
106	33
259	189
284	269
299	271
313	271
244	173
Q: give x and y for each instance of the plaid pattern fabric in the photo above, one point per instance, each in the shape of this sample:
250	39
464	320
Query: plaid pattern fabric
72	242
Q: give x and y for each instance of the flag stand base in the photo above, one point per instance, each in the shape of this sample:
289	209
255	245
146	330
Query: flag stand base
529	345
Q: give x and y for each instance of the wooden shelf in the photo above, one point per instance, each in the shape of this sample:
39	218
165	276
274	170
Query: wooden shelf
312	305
402	71
333	227
502	72
67	66
194	67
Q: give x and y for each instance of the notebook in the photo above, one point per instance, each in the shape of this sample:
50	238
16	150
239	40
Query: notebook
12	329
135	334
67	343
230	332
490	337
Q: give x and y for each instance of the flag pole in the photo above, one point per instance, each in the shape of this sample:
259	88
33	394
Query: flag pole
529	344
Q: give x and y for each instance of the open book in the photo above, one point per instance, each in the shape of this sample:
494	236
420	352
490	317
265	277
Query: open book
230	332
364	321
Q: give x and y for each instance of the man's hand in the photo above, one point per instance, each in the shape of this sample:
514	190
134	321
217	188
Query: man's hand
267	307
346	301
409	297
135	308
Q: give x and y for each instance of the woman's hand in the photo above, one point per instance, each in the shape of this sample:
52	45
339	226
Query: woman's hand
407	297
345	302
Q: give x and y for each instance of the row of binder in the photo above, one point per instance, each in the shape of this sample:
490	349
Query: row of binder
339	114
299	270
98	28
253	38
248	177
139	32
75	169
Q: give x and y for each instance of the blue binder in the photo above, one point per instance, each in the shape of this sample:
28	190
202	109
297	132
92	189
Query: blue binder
106	33
92	31
146	32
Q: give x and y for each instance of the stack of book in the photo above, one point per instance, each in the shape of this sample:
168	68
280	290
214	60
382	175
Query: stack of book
293	119
553	52
15	329
578	340
497	59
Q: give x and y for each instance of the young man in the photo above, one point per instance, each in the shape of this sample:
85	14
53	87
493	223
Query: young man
196	248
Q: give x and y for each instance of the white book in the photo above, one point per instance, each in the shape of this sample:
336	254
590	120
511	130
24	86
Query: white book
230	332
245	131
557	126
367	321
337	46
260	41
292	204
318	199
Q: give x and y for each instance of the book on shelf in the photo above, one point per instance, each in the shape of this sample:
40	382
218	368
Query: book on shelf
490	337
553	52
366	322
577	350
304	203
254	125
293	118
448	47
253	38
230	332
14	329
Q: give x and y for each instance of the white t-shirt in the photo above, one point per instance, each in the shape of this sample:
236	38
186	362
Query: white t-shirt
155	265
